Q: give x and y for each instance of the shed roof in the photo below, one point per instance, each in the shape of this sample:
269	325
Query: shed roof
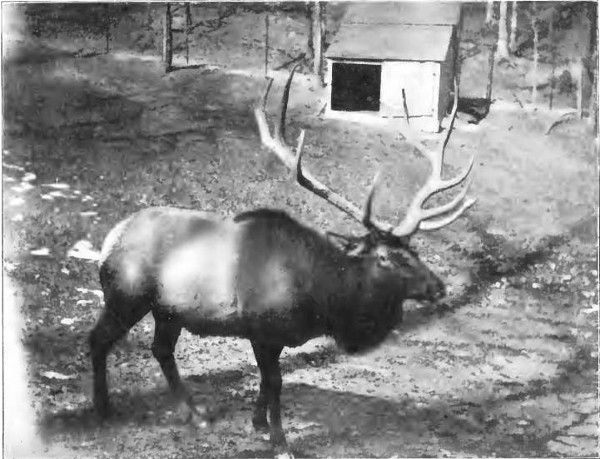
419	13
391	42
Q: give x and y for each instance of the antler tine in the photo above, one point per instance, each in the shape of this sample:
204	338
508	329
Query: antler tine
418	218
452	119
280	128
293	160
367	221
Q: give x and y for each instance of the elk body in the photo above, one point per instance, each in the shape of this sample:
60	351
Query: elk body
262	276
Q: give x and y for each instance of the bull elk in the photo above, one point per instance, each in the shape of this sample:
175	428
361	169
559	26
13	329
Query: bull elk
265	277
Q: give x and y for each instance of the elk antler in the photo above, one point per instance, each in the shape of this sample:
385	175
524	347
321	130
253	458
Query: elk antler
293	160
418	218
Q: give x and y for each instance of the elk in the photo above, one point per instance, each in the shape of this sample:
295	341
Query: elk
266	277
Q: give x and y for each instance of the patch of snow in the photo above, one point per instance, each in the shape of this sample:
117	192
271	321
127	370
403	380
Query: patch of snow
22	187
28	177
43	252
84	250
57	186
16	202
56	375
83	302
98	293
14	167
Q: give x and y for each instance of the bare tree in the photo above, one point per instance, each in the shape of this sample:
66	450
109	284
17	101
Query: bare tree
552	38
502	49
512	46
592	15
534	71
489	12
266	43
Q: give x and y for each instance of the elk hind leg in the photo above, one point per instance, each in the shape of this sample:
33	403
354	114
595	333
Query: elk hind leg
116	320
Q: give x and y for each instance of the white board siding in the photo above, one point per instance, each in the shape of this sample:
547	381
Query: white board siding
420	83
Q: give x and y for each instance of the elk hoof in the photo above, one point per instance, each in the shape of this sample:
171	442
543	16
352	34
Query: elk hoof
198	416
260	424
103	409
284	455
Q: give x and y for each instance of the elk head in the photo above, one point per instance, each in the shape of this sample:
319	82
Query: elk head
385	246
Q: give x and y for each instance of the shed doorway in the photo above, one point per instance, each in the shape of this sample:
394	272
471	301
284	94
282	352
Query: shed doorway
355	87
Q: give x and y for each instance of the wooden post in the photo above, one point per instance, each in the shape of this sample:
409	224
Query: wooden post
491	61
536	40
316	38
266	43
578	71
107	30
168	39
188	31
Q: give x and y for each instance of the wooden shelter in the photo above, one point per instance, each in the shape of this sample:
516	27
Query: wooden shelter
394	58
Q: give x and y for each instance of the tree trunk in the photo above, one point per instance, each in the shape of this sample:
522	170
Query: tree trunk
315	42
578	70
594	99
552	58
266	43
489	12
502	50
512	46
534	71
168	39
592	14
491	61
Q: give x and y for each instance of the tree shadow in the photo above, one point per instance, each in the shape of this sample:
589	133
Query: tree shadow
175	68
491	264
333	420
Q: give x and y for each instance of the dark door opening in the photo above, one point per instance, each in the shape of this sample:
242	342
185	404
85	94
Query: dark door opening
355	87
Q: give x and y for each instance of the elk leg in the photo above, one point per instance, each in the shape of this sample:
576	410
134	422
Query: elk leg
112	325
259	419
166	335
269	364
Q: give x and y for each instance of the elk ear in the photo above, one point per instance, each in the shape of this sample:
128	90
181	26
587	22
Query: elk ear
356	248
339	240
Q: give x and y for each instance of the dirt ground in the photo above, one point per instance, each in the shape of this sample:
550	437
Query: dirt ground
506	367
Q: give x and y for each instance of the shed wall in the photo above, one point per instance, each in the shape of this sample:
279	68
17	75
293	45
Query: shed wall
447	74
419	81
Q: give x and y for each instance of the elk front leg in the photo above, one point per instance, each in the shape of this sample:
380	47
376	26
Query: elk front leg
166	335
267	358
